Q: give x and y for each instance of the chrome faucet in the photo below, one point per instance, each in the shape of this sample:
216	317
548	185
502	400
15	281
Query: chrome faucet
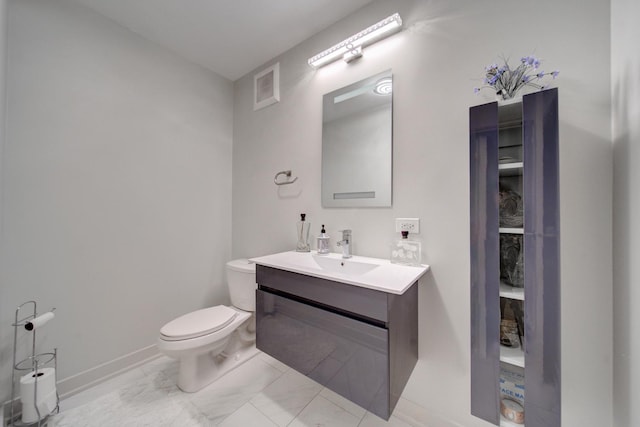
345	243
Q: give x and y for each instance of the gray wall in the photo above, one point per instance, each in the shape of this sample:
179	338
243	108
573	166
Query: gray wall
625	87
116	176
436	62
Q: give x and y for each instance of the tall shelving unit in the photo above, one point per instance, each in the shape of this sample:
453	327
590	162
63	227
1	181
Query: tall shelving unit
515	263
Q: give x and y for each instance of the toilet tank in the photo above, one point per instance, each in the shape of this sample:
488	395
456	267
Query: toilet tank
241	280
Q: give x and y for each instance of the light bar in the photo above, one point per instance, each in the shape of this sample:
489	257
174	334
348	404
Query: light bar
351	48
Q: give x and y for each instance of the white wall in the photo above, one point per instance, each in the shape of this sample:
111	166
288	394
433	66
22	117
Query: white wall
116	177
436	62
3	56
3	64
625	61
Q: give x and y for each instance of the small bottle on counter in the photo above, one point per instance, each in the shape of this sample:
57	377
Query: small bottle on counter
323	242
303	235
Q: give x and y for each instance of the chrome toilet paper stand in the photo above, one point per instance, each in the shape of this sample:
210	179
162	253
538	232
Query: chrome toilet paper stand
34	362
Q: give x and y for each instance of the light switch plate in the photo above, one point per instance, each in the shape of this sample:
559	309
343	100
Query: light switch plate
412	225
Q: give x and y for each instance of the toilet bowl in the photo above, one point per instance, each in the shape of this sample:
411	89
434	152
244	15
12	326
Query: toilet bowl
211	341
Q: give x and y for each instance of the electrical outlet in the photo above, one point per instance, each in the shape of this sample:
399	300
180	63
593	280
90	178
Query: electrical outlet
412	225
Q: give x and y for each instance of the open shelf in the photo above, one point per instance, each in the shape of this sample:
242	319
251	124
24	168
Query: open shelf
510	169
508	291
505	230
512	356
510	166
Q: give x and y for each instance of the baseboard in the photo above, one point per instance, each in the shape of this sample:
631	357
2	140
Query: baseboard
98	374
79	382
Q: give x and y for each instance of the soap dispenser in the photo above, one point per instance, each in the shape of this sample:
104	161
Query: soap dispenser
323	242
405	251
303	235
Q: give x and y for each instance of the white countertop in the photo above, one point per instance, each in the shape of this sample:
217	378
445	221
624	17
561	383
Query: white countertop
371	273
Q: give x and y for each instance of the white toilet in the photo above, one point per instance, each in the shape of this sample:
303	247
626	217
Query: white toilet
210	342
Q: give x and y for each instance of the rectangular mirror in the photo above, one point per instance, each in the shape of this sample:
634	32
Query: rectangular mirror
357	131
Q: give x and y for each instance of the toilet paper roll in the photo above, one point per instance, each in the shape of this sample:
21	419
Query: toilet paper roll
46	398
39	321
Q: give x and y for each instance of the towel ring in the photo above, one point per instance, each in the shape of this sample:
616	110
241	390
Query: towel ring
287	174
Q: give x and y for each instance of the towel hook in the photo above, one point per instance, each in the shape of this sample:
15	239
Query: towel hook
287	174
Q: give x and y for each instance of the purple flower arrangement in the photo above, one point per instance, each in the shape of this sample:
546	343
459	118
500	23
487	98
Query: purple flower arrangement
507	81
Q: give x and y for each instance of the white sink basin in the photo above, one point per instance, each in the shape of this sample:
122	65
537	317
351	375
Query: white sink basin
372	273
348	266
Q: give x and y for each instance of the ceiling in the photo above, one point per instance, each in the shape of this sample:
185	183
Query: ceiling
229	37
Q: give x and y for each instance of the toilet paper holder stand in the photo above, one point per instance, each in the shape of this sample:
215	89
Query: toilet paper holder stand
33	363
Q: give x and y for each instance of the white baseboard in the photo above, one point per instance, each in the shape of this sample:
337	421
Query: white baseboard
81	381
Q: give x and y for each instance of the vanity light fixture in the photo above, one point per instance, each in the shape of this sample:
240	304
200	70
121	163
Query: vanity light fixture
351	48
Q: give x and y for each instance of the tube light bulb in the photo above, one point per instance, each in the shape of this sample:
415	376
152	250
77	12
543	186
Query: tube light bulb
375	32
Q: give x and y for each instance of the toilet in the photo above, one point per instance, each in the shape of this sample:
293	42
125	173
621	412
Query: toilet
210	342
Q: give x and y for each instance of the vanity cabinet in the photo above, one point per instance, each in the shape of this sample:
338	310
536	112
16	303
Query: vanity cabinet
515	258
361	343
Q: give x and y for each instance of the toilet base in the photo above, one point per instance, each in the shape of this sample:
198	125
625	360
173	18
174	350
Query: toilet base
203	369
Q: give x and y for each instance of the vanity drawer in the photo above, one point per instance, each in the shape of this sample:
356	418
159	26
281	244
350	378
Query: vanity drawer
347	356
362	302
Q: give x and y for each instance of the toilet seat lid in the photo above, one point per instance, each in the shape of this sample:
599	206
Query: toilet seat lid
198	323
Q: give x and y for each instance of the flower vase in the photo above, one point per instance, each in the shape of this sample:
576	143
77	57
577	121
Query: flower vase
508	101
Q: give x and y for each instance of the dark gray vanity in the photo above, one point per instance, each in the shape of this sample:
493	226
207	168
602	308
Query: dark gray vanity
361	343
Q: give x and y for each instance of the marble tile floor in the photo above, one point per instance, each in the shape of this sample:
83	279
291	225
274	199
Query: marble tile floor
260	393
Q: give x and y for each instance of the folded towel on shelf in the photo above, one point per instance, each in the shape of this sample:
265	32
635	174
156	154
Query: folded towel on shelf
511	209
511	259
